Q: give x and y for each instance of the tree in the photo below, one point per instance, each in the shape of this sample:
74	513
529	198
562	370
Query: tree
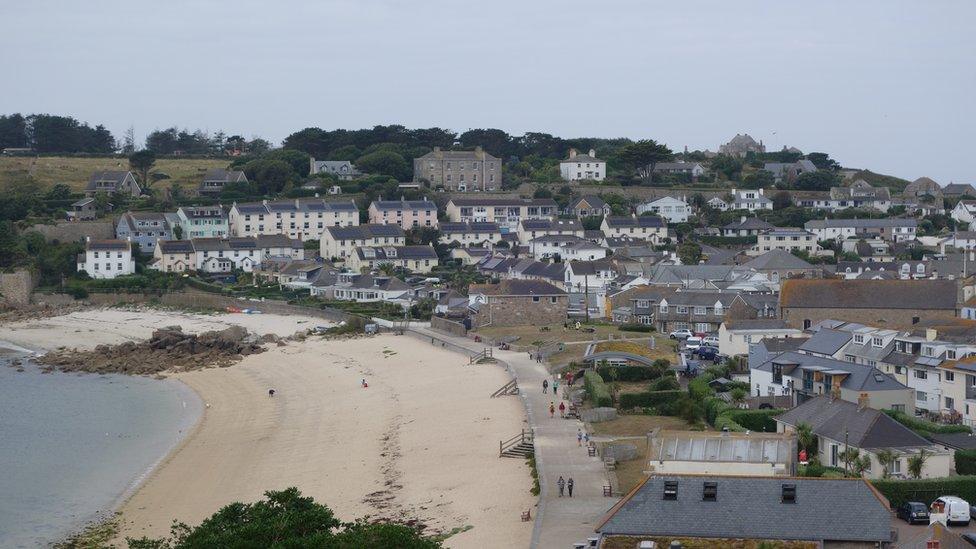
643	155
760	179
728	166
823	161
59	191
816	181
886	458
384	162
283	520
142	162
297	160
270	176
689	253
916	463
128	145
782	200
849	456
738	395
805	438
178	232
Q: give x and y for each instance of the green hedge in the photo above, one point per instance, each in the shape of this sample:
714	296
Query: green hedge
629	373
637	328
754	420
922	427
650	399
596	389
719	241
966	462
926	490
715	407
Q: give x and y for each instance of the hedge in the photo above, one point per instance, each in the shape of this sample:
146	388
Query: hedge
714	407
926	490
753	420
650	399
966	462
629	373
596	389
921	426
724	423
637	328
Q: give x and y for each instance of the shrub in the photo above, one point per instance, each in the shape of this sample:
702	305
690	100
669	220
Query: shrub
715	407
926	490
754	420
637	328
813	469
698	388
629	373
596	389
662	400
724	422
924	427
665	383
966	462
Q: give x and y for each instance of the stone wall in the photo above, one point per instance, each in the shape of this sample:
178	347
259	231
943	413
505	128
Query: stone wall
75	231
893	319
521	311
448	326
16	288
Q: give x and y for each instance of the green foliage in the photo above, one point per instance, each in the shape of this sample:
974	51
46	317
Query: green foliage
916	463
665	383
297	160
596	390
663	401
142	162
729	167
823	161
813	469
689	253
966	462
816	181
640	156
926	490
283	520
754	420
630	373
387	163
270	176
925	428
644	328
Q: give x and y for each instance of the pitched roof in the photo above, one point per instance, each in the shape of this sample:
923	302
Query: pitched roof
468	227
869	294
225	176
861	223
504	202
652	221
777	259
752	508
515	287
426	205
592	201
108	244
842	420
397	252
750	224
856	377
827	341
363	232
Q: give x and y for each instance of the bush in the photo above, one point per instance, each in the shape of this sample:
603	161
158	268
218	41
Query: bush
596	389
629	373
662	400
753	420
78	292
637	328
923	427
966	462
665	383
724	422
715	407
926	490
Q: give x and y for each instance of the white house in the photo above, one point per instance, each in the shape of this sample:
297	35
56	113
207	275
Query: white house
673	209
301	218
751	200
718	204
583	167
736	335
468	234
646	227
693	169
107	258
965	211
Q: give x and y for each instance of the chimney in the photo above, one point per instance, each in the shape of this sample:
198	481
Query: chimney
742	219
316	195
265	202
297	205
761	190
593	153
863	402
572	153
437	149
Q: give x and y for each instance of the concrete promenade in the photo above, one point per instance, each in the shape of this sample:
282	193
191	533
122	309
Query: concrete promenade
560	521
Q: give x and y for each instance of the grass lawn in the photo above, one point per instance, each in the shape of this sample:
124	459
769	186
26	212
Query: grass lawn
74	172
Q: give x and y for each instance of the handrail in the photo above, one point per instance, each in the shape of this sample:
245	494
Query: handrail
514	441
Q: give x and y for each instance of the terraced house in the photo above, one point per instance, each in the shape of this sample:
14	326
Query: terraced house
408	214
417	259
700	311
468	234
647	227
301	218
505	212
145	228
339	242
203	221
224	255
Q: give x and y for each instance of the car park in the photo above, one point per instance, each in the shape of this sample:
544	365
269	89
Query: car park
693	343
913	512
710	340
708	352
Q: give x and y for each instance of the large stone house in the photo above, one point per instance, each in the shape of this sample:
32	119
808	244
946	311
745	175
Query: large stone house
892	304
789	171
517	303
742	144
459	170
923	187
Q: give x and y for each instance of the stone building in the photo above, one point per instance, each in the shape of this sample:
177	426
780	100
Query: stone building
459	170
742	144
892	304
517	303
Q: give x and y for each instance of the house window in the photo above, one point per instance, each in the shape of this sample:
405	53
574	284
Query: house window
664	308
699	310
682	309
951	354
553	299
859	339
921	374
535	299
920	396
950	403
950	377
877	342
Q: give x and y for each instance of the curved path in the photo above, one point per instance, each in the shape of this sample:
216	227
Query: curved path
560	521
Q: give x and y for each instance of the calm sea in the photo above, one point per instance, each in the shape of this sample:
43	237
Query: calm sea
73	446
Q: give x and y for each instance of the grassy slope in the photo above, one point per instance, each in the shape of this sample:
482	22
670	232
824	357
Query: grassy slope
74	172
896	184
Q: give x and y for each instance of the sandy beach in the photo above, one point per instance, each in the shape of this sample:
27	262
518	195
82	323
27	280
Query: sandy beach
420	443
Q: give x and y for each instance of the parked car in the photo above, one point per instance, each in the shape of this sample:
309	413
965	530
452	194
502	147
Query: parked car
707	352
969	538
914	512
681	334
693	343
710	340
955	509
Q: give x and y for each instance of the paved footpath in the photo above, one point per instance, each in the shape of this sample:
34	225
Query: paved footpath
560	521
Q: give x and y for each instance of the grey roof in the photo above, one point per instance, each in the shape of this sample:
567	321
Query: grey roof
861	223
427	205
565	239
777	259
593	201
114	177
468	227
224	176
756	324
591	267
363	232
827	341
551	225
782	345
514	287
958	441
341	167
862	428
175	246
203	212
752	508
277	241
860	376
925	294
750	224
629	221
953	189
397	252
108	244
504	202
675	166
297	205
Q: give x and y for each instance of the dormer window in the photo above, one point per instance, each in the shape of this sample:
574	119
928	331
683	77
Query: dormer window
877	342
859	339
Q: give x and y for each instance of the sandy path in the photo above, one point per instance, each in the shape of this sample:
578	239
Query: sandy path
420	442
86	329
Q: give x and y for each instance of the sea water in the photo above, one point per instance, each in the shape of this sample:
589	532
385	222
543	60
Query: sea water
73	446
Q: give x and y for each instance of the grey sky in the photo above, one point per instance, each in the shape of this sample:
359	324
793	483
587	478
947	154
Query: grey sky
888	85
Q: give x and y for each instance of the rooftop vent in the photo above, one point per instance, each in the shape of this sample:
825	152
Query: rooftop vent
789	493
709	491
670	489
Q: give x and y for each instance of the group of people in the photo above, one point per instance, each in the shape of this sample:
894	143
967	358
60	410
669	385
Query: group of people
564	484
552	404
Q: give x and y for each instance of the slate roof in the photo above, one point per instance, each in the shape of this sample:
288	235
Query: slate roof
203	212
426	205
396	252
297	205
277	241
594	202
504	202
468	227
827	341
108	244
756	324
224	176
860	376
516	288
116	178
841	420
958	441
861	223
551	225
175	246
750	224
590	267
616	222
869	294
752	508
777	259
363	232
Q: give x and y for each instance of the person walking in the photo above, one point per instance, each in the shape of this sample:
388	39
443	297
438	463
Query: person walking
545	386
562	409
579	437
569	484
586	438
552	409
561	484
555	386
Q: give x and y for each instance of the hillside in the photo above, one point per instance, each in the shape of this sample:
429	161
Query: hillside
896	184
48	170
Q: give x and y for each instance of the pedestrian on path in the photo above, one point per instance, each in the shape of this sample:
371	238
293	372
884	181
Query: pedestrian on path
569	484
569	379
545	386
555	386
552	409
561	484
562	409
579	437
586	438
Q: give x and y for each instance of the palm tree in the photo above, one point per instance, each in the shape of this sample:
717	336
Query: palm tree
886	458
916	463
805	438
850	456
738	395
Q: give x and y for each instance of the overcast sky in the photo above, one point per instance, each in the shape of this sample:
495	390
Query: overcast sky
886	85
